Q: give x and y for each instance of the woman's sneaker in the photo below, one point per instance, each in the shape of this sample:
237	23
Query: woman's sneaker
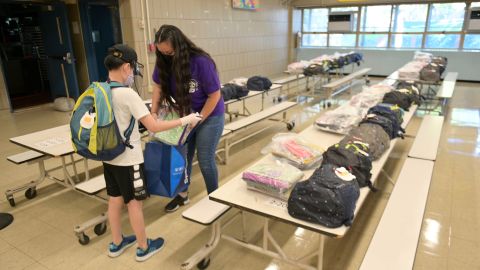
153	246
174	204
127	241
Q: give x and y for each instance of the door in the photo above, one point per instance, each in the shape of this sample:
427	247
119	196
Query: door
61	67
102	29
22	55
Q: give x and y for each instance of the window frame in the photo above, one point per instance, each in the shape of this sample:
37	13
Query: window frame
393	14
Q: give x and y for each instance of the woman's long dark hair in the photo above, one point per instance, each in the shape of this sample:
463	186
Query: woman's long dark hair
179	64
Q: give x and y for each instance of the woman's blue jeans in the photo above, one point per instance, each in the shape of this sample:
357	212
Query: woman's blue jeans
205	141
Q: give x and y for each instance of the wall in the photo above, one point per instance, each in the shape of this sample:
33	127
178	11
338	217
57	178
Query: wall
242	43
384	62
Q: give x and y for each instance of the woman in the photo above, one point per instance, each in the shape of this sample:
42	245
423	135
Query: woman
187	80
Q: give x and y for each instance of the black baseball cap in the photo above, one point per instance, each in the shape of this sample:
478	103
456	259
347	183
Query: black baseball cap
128	55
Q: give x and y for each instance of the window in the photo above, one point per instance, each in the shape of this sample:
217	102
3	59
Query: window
406	41
342	40
442	41
472	42
315	20
373	40
375	18
312	40
415	25
446	17
409	18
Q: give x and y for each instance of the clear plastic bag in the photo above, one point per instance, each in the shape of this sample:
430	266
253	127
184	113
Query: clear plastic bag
295	150
174	136
369	97
275	179
422	56
298	67
341	120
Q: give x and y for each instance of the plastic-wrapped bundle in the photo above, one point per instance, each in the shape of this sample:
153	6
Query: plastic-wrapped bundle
422	57
274	179
411	71
174	136
295	150
241	81
297	67
369	97
340	120
322	58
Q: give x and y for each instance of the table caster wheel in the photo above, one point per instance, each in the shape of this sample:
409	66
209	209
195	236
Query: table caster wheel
31	193
100	229
290	125
203	264
11	201
83	239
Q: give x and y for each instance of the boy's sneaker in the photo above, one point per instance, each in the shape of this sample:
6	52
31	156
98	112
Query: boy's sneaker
153	247
127	241
174	204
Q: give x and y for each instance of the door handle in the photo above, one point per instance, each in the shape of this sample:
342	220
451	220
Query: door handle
69	58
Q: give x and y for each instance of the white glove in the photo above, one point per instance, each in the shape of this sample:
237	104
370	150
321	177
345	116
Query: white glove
191	119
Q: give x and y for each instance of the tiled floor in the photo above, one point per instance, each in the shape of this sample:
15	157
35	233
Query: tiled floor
41	236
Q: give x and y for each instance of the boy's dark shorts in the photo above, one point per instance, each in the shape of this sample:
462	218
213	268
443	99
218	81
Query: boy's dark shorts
119	180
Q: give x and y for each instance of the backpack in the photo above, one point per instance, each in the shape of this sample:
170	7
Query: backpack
328	197
313	69
397	97
233	91
93	128
382	121
411	85
431	73
392	112
353	156
258	83
377	139
413	94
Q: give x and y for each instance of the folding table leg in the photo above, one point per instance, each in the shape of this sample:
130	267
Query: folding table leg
202	254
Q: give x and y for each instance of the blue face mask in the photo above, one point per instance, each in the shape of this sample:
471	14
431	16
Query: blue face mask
130	80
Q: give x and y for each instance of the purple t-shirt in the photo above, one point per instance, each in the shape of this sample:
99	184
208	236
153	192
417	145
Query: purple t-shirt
204	82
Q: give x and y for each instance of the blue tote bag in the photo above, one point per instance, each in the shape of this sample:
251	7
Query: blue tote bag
166	160
165	168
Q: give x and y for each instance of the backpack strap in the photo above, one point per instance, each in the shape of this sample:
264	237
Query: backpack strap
128	133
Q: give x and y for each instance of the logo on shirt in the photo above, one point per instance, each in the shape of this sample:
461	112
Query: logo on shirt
192	86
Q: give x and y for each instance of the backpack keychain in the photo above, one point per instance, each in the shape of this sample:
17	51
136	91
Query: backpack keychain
344	174
87	120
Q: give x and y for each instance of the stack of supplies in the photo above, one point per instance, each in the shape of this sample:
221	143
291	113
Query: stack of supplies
295	150
275	179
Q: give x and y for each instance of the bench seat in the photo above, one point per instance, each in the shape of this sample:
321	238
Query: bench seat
25	157
205	211
394	243
93	185
337	83
254	118
448	85
427	140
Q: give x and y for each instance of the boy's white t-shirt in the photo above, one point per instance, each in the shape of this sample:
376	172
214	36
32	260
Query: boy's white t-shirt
127	103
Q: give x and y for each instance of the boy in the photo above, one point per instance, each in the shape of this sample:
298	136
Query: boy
124	174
